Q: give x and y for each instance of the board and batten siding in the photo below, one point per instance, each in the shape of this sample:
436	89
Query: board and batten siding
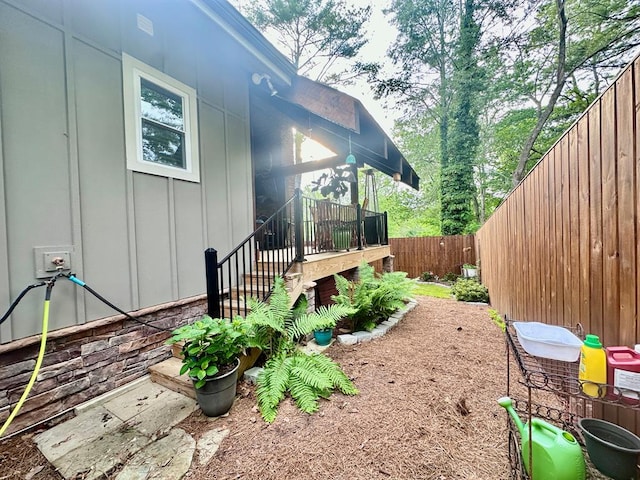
137	239
564	247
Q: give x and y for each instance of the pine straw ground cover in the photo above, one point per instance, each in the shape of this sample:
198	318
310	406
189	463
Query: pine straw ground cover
426	410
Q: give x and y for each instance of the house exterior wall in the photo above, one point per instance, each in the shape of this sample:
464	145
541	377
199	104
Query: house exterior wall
138	239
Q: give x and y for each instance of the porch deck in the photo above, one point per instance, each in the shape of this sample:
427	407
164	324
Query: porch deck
321	265
318	265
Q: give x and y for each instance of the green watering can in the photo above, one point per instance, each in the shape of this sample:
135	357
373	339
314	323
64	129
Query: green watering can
556	453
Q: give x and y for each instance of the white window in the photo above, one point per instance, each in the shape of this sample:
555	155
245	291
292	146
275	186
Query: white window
161	122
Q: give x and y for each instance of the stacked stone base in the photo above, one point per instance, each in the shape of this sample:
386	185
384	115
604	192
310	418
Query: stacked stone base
85	361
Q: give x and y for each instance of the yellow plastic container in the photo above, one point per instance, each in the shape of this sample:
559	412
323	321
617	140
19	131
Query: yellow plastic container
593	367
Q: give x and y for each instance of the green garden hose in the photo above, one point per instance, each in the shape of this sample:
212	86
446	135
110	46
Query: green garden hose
34	375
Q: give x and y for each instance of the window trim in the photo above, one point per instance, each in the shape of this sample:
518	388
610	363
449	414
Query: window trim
132	71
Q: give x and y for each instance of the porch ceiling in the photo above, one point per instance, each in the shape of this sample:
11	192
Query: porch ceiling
333	118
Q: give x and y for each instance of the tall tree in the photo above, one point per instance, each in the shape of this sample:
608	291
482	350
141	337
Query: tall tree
457	193
316	35
570	38
423	52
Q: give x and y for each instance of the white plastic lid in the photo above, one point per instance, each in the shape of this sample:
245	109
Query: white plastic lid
637	347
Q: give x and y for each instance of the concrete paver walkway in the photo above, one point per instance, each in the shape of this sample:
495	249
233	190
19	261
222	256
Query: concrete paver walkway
133	427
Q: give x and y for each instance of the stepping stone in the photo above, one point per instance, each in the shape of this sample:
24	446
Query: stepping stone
209	443
166	459
105	435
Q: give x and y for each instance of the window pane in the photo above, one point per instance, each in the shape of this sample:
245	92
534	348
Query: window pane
161	105
162	145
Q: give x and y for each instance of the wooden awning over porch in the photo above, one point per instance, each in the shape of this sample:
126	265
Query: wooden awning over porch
341	123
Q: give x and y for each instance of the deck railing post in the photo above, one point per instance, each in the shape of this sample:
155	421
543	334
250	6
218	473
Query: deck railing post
385	229
359	225
213	286
299	230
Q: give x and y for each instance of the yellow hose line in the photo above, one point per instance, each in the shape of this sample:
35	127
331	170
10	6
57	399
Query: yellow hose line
32	380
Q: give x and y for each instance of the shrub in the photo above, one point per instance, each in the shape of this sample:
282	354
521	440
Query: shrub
428	277
470	290
450	277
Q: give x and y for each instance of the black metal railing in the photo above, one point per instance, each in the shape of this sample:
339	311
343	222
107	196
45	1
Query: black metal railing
250	269
329	226
302	226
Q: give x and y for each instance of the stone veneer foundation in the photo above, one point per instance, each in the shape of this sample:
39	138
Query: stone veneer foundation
85	361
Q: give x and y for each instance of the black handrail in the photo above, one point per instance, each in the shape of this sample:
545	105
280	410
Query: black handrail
250	269
302	226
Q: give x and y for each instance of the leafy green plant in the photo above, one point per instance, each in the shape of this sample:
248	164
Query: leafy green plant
210	344
307	378
469	265
470	290
372	298
450	277
497	319
428	277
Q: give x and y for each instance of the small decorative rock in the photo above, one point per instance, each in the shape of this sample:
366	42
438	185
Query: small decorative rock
251	375
363	336
378	332
347	339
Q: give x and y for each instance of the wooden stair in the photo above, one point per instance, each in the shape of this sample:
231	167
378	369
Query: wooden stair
167	372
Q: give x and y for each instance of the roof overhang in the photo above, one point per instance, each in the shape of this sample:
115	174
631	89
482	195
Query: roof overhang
341	123
240	29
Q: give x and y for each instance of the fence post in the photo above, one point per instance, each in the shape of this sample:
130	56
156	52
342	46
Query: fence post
359	225
213	289
299	230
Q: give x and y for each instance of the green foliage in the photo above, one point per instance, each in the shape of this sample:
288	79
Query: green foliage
334	183
414	213
450	277
458	188
314	34
305	377
497	319
211	343
372	297
428	277
470	290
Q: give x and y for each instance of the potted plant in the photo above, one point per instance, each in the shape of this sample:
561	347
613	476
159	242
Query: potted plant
210	358
341	238
469	270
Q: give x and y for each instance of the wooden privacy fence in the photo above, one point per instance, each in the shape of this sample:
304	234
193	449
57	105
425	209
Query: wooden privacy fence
440	255
564	248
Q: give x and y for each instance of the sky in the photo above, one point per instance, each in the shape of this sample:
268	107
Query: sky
380	34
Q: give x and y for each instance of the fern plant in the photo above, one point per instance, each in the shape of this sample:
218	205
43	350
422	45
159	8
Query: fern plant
305	377
373	298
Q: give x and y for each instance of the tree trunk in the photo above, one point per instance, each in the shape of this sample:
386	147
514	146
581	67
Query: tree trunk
519	172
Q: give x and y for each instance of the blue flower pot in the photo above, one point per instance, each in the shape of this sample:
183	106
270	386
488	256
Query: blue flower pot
323	337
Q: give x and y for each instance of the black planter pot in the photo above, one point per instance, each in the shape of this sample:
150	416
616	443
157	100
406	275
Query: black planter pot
216	397
613	450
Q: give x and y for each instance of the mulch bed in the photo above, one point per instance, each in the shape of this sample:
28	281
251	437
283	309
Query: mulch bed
426	410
